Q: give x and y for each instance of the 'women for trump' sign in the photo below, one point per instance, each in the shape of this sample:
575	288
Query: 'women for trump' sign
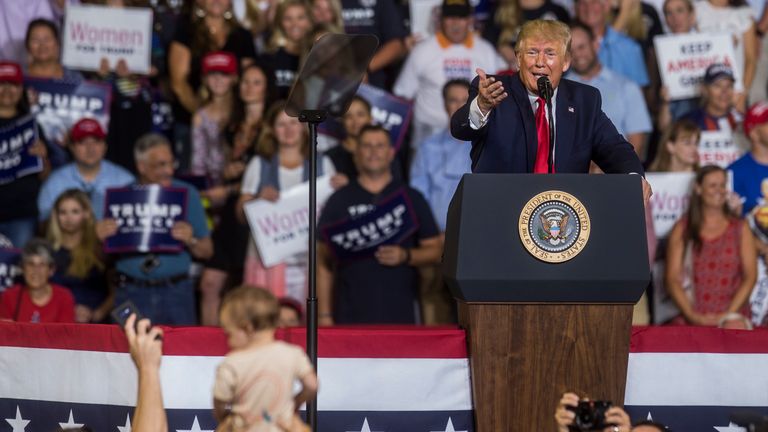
95	32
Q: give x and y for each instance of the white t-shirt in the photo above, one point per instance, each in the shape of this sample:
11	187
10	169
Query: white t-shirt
288	177
731	20
431	64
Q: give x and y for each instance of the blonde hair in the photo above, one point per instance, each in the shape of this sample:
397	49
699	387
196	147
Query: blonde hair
508	18
677	130
251	307
85	256
548	30
337	25
278	38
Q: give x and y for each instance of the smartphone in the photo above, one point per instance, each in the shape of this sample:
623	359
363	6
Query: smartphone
121	313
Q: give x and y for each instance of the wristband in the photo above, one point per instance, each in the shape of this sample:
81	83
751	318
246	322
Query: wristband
407	256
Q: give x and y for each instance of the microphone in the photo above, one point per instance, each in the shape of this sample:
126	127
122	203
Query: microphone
545	89
546	92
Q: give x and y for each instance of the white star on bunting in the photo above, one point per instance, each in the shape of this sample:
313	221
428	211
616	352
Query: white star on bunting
365	427
18	424
195	427
127	426
449	427
730	428
70	424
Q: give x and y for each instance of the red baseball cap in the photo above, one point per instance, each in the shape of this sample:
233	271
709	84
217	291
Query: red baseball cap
757	114
11	72
85	128
220	61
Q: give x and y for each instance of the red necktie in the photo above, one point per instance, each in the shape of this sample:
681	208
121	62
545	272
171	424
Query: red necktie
542	133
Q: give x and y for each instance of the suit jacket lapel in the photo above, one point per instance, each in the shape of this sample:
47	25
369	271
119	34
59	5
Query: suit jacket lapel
564	124
520	95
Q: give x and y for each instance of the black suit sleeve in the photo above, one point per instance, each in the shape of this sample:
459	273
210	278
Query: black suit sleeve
610	150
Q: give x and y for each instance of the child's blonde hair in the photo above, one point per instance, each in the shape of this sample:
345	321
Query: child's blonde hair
251	307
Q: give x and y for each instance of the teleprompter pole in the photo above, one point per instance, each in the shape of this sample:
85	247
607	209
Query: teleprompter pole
312	118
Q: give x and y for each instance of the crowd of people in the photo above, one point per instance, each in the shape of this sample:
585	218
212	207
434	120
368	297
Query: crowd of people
227	66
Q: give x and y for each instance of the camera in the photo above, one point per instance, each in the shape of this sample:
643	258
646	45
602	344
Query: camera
590	416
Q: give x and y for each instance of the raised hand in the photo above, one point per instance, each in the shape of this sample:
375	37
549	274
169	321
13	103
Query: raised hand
490	92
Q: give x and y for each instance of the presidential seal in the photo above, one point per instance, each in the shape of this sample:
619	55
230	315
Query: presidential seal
554	226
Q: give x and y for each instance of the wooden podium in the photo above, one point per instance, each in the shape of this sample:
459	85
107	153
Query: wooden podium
536	329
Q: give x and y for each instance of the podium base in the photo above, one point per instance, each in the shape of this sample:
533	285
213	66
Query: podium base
523	357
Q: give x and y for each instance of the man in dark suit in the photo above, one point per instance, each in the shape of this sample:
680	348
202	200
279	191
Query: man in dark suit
510	134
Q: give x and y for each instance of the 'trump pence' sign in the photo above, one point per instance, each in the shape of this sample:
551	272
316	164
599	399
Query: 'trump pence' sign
95	32
683	59
145	216
281	229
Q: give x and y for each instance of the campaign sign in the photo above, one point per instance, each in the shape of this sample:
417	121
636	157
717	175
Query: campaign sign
671	193
684	58
281	229
671	196
718	148
10	268
389	111
390	222
95	32
15	141
144	216
59	104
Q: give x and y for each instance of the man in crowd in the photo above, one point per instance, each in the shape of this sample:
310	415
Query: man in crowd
511	134
442	159
380	286
439	163
453	53
159	283
623	101
89	172
618	52
751	170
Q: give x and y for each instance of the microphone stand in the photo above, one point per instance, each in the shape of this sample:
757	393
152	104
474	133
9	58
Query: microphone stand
545	91
551	156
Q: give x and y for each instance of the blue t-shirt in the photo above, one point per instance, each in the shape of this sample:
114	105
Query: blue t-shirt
623	55
748	177
169	264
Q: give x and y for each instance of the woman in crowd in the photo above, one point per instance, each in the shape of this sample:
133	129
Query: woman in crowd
342	156
37	300
77	254
678	150
282	163
681	19
219	78
711	259
18	212
328	13
733	17
289	42
44	50
230	235
212	27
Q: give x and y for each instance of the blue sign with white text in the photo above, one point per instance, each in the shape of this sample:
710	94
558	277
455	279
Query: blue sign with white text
145	216
389	223
15	142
